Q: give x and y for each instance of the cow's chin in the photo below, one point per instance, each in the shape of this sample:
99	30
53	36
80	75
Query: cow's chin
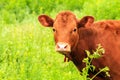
66	53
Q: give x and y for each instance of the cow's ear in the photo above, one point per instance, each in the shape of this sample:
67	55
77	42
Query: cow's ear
86	21
46	20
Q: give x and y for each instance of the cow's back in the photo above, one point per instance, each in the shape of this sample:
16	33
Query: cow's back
109	38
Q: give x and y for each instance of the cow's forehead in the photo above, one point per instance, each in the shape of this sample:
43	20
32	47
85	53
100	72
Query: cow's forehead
65	19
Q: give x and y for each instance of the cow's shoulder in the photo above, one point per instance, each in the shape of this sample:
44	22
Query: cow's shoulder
107	24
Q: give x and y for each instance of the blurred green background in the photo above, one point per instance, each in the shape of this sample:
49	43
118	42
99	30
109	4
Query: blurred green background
27	49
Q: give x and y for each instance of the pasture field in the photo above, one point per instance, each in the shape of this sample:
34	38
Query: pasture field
27	49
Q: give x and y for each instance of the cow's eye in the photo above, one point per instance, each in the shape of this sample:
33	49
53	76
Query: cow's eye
54	30
75	30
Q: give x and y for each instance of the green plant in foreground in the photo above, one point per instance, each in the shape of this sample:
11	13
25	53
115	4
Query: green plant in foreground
88	60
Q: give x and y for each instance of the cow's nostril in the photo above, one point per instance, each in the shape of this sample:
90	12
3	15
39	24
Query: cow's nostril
65	47
58	46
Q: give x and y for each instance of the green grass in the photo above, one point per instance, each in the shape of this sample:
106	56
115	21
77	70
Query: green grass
27	53
27	49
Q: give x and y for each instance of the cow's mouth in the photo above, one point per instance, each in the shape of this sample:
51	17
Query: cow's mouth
66	54
63	48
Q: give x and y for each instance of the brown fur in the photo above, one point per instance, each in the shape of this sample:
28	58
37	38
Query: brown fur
75	36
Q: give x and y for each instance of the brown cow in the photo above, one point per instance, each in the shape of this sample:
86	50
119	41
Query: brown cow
72	37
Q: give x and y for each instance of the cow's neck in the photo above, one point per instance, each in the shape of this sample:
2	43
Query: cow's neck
85	43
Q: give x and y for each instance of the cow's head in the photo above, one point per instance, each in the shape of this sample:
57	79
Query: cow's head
66	29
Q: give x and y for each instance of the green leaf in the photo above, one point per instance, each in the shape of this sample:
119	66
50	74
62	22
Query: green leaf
87	52
86	60
96	55
92	67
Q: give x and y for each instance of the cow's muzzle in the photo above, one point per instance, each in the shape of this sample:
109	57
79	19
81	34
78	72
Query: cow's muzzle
63	47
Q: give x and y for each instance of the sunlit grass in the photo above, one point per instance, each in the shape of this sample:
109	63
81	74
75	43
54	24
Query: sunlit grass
27	53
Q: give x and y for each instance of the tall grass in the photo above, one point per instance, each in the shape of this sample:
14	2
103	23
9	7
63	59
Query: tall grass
27	48
27	53
15	11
